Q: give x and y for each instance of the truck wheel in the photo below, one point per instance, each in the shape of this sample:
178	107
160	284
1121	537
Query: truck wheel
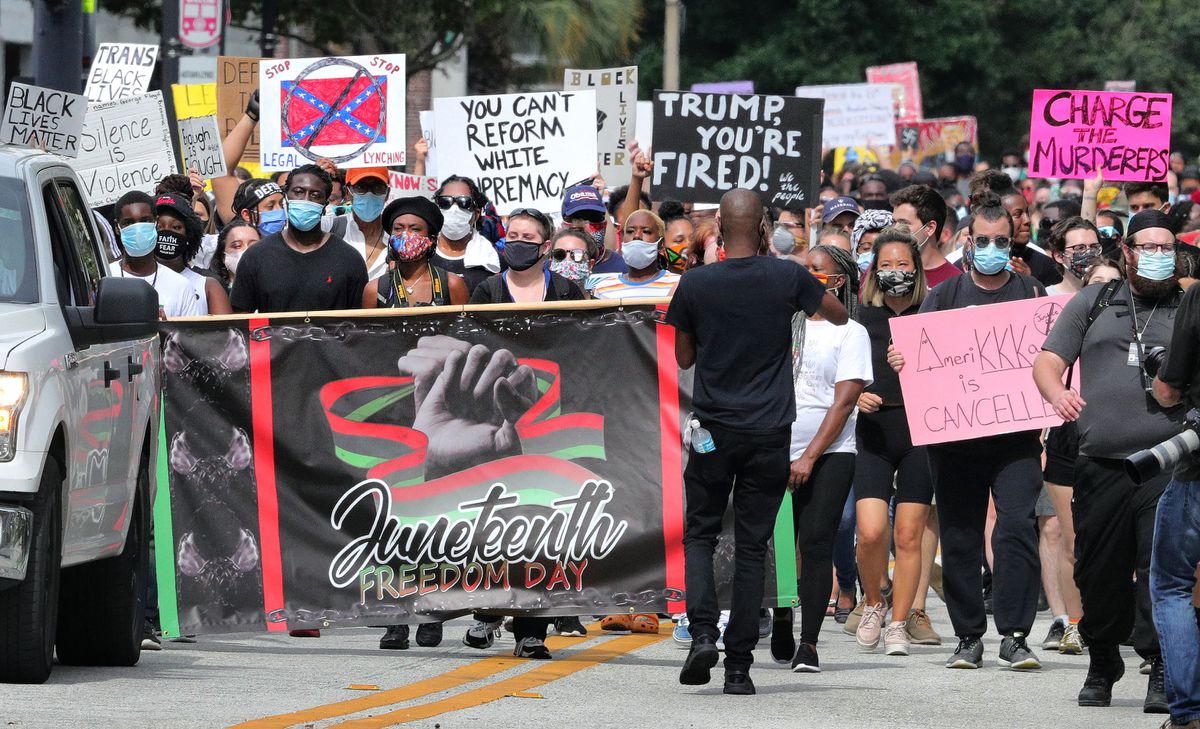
102	604
29	611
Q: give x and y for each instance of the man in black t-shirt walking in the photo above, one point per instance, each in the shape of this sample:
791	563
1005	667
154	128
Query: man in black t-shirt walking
301	268
740	342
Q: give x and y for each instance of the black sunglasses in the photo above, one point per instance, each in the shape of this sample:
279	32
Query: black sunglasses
534	213
576	255
465	202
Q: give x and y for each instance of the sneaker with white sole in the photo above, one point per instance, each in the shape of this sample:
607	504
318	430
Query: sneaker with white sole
920	629
150	639
969	654
534	648
482	634
682	634
1055	636
870	627
722	624
570	626
1016	654
1072	642
895	640
806	660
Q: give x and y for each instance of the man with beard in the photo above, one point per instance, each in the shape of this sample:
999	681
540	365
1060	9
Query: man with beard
1110	329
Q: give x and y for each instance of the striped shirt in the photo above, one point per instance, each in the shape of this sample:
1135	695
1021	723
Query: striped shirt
616	286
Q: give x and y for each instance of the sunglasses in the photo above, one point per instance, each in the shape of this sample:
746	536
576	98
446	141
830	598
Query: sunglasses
464	202
1001	242
562	254
534	213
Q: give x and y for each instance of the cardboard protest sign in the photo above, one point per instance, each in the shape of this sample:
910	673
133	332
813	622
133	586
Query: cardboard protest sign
119	71
237	80
616	116
906	89
45	119
405	185
968	372
200	142
1127	136
194	100
918	141
126	145
708	144
524	150
856	115
645	123
349	109
724	87
429	132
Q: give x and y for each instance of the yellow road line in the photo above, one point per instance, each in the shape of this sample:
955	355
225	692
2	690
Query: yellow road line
450	680
544	674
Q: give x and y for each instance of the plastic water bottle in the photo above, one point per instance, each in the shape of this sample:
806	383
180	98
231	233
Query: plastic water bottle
702	440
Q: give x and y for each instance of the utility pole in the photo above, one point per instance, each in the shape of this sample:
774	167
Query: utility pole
671	46
58	44
267	40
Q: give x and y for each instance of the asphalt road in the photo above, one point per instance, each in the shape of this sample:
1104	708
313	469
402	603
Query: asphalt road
598	681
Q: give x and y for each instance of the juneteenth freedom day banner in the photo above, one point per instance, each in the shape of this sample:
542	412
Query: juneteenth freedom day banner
339	471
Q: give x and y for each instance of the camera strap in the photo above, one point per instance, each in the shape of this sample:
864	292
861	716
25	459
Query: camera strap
1103	300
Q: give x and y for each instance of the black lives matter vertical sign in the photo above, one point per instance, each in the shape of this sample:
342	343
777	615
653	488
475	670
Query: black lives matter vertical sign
707	144
1125	136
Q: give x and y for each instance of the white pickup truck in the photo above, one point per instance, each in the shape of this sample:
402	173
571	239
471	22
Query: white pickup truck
79	362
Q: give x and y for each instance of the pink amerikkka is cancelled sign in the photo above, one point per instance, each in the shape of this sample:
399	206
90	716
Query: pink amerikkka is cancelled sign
968	372
1125	135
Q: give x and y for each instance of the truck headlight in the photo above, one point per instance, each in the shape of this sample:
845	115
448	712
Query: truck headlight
13	386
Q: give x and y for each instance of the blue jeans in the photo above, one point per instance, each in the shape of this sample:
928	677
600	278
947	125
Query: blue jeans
844	558
1172	580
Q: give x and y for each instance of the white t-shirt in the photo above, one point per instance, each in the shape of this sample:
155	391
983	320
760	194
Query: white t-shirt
176	296
358	242
199	284
832	354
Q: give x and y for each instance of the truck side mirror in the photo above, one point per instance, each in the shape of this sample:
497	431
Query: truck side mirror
128	301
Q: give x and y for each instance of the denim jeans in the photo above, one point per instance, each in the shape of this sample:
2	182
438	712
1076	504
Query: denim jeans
1172	579
844	559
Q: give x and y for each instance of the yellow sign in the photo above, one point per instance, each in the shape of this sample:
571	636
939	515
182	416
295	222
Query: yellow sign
194	100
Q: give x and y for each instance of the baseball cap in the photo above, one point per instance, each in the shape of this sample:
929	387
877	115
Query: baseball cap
357	174
837	206
583	201
177	206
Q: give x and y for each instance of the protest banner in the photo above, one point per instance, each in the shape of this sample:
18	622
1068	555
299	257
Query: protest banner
405	185
237	80
856	115
1126	136
125	145
119	71
197	69
348	109
200	142
41	118
917	141
708	144
616	116
724	87
428	131
645	123
523	150
385	507
194	100
906	89
968	372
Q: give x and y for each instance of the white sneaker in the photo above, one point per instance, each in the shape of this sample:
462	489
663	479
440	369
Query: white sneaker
722	624
895	640
870	627
482	634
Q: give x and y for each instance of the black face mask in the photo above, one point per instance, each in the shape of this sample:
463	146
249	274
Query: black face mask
876	205
522	256
170	244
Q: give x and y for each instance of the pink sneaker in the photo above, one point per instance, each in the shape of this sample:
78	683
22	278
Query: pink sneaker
870	627
895	640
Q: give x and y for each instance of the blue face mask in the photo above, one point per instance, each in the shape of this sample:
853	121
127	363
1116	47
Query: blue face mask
864	260
272	221
367	206
304	215
1156	266
139	239
990	261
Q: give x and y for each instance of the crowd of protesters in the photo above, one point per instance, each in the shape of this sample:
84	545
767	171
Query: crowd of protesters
797	383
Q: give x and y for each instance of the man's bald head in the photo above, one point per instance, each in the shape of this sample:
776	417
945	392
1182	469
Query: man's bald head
742	226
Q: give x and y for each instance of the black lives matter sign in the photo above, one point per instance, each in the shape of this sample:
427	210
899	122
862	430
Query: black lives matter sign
707	144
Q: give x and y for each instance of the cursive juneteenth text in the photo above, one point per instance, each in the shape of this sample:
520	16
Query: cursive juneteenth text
576	529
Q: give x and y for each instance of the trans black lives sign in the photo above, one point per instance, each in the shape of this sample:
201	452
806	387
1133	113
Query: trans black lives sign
707	144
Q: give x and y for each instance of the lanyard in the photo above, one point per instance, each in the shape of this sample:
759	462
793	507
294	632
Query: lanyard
435	284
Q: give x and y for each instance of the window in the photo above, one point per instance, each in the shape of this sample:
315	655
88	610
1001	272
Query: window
18	268
82	239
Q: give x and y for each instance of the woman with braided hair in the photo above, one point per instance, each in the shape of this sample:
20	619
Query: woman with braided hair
832	365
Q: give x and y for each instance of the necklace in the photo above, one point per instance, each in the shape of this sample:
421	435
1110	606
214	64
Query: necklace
153	281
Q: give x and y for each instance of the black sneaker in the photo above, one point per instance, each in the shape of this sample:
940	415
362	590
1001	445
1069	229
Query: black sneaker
1156	690
532	648
429	635
150	639
395	639
783	643
569	626
481	634
700	660
738	683
969	654
1016	654
805	660
1055	636
1105	668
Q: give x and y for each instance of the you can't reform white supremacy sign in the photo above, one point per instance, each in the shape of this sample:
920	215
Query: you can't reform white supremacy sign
126	145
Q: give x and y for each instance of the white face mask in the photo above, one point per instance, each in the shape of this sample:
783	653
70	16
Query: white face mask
231	261
456	223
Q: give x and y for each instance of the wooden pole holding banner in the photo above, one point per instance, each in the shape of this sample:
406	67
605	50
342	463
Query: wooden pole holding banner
541	306
671	46
58	45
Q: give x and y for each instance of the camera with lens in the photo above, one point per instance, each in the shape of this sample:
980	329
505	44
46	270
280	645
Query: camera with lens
1145	465
1152	360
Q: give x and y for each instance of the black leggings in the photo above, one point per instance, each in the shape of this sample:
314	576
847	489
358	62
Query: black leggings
816	511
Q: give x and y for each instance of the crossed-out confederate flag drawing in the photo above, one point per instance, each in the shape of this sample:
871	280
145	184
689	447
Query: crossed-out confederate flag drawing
353	122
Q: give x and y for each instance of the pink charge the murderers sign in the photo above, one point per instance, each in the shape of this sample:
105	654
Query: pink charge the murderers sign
1127	136
968	372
